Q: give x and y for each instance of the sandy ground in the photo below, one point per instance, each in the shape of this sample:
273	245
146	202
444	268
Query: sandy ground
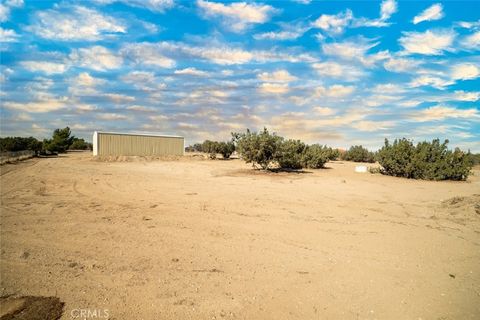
201	239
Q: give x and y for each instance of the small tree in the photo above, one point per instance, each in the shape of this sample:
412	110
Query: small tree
60	142
258	148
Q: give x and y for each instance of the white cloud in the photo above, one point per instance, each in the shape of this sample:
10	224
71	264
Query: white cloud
471	42
145	81
82	107
338	70
428	80
138	77
158	118
335	91
428	42
8	35
85	79
273	88
4	12
14	3
324	111
152	5
191	72
40	106
78	24
387	8
280	35
465	71
6	6
219	53
372	126
439	112
203	96
355	50
148	54
237	16
470	96
469	24
119	98
348	49
434	12
23	117
111	116
84	84
44	66
277	76
96	58
141	108
334	24
401	65
388	88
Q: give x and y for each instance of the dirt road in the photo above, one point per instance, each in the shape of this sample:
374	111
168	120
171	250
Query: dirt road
200	239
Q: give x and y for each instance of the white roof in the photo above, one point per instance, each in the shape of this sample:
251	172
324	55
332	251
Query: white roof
139	134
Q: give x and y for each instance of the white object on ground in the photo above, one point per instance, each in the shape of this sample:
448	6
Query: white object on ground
361	169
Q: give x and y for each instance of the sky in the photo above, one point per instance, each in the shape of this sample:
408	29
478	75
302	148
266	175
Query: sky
339	73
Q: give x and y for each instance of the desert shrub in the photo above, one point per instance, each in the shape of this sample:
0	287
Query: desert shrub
289	154
474	159
214	147
20	144
258	148
80	144
225	149
427	160
197	147
210	147
358	154
315	156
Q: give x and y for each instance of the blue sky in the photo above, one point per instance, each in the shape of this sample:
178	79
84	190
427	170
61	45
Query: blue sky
330	72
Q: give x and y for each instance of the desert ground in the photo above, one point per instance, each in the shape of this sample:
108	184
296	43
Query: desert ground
203	239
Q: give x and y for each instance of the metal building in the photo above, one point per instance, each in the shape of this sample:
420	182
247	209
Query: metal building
136	144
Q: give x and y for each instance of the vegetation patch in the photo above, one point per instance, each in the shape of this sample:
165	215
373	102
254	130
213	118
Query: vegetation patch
427	160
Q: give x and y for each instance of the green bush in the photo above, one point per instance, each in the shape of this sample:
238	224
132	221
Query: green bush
427	160
80	144
226	149
20	144
358	154
266	150
214	147
258	148
210	147
289	154
475	159
315	156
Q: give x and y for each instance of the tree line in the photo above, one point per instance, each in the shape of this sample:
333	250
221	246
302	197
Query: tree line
61	141
425	160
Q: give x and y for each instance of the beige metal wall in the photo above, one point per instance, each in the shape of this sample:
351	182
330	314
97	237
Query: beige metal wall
110	144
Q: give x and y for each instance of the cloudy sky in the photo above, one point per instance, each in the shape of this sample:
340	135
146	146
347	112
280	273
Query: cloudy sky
334	72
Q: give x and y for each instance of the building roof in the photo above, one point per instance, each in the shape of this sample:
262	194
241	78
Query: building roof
139	134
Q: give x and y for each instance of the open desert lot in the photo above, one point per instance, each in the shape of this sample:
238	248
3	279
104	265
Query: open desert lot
202	239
